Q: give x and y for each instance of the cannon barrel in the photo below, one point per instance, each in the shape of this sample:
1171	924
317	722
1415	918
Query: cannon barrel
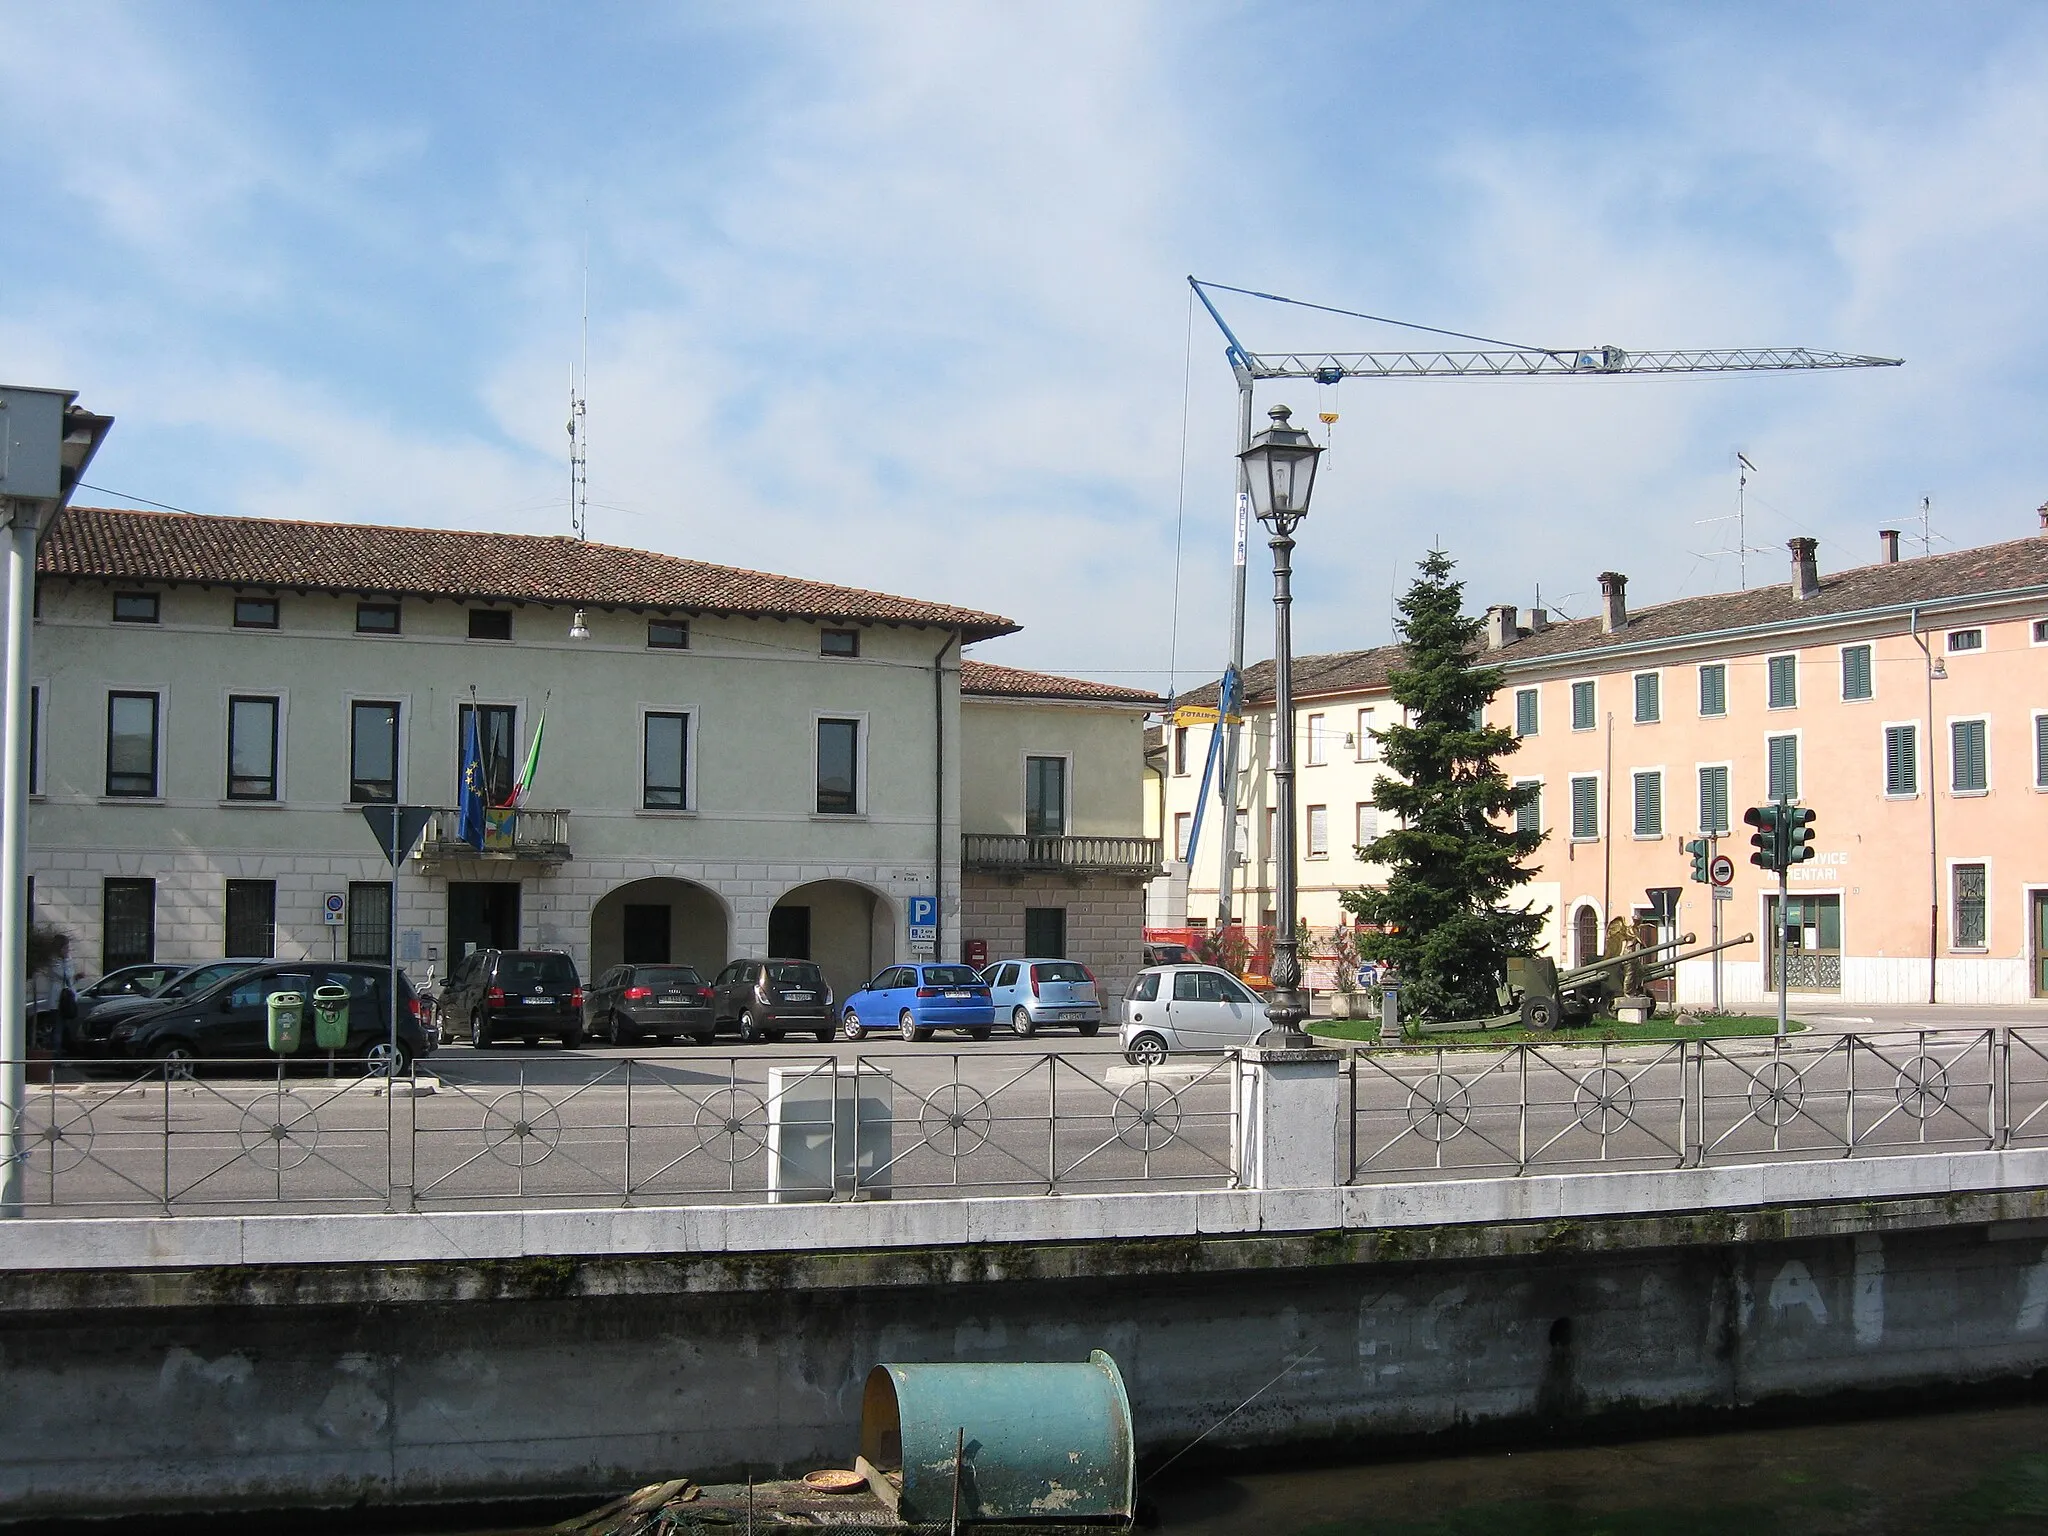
1660	967
1592	969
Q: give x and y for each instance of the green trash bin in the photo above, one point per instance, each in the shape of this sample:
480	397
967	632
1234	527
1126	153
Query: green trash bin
287	1018
330	1017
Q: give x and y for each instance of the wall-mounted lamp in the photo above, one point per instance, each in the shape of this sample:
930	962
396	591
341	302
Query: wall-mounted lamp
1940	672
578	630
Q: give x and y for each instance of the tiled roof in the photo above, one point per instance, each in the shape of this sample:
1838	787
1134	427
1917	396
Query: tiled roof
100	543
1994	569
1314	676
987	680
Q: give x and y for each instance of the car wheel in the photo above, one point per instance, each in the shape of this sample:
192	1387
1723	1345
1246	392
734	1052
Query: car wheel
1020	1023
532	1042
667	1039
479	1032
571	1038
850	1022
1148	1050
387	1060
750	1030
825	1035
179	1061
709	1037
1088	1031
979	1034
906	1026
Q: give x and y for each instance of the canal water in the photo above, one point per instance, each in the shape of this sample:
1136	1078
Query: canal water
1970	1473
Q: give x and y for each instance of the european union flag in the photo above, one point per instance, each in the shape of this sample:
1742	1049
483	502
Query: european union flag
469	808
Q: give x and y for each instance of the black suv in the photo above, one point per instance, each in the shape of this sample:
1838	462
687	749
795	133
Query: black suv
768	998
514	994
232	1018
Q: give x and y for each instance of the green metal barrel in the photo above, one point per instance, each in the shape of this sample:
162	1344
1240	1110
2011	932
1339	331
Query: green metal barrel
1045	1442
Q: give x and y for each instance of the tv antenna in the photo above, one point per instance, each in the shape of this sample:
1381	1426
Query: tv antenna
579	478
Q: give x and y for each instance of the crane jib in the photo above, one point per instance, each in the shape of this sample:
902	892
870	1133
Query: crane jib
1530	363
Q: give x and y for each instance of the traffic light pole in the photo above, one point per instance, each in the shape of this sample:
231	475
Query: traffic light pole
1714	901
1784	929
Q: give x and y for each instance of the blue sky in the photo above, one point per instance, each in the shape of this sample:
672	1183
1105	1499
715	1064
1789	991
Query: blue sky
892	294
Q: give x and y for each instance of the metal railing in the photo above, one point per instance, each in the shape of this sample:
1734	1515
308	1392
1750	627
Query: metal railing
542	836
1485	1112
690	1128
1077	855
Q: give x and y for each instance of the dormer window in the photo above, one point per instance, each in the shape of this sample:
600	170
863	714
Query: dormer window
135	607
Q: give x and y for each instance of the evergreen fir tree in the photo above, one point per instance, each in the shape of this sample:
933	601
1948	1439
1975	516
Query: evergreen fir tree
1451	852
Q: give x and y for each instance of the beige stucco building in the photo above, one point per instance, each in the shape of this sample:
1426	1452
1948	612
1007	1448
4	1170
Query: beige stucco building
733	763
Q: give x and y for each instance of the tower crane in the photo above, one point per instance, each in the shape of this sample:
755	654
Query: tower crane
1492	360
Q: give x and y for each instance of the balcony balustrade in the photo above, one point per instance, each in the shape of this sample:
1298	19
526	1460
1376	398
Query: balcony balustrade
525	836
1135	857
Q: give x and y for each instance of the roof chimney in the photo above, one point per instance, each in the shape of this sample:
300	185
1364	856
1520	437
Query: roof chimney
2044	516
1500	626
1539	620
1805	569
1613	601
1889	539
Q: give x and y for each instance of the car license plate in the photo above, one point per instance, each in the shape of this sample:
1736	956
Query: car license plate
960	992
1074	1013
796	997
673	1000
545	1002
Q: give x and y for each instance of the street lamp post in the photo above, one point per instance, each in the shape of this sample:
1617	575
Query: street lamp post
1280	465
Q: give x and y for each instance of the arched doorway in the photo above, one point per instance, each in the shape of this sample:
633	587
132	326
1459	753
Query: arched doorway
1585	936
846	928
659	922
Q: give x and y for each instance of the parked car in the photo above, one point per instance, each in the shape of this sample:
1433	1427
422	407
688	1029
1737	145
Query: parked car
631	1001
917	999
767	999
126	981
1034	993
1187	1008
231	1019
513	994
1169	954
89	1033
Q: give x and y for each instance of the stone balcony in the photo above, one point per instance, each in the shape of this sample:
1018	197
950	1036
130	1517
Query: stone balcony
1134	858
523	837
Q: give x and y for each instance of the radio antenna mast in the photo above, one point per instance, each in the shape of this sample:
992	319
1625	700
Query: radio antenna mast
1743	467
579	480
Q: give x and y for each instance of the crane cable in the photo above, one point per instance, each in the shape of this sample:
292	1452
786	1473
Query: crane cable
1187	379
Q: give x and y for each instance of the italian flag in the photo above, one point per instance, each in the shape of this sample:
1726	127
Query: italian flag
530	770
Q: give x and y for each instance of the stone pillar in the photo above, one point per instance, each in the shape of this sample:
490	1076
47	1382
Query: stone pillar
1286	1119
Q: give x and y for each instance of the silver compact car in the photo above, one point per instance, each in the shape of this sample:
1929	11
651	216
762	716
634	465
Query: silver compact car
1187	1008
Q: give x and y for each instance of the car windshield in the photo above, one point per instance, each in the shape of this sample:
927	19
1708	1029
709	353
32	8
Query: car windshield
666	976
950	976
1060	970
794	975
525	972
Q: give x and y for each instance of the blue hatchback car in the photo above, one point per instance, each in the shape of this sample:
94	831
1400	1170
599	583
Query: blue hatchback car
914	1000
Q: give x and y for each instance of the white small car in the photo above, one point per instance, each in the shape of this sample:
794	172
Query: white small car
1187	1008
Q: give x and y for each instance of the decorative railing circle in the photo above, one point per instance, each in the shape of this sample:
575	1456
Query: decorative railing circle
1604	1101
1147	1115
732	1125
1922	1087
279	1131
60	1134
522	1127
955	1119
1776	1092
1439	1107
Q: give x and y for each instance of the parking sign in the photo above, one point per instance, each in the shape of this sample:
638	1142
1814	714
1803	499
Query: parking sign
924	922
334	907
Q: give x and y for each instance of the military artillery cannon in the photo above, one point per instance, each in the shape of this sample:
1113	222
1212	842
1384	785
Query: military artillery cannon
1539	996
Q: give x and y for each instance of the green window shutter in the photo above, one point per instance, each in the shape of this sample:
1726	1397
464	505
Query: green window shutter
1525	712
1784	682
1901	760
1585	808
1529	817
1784	768
1649	703
1582	706
1714	799
1856	672
1714	689
1649	788
2041	751
1968	768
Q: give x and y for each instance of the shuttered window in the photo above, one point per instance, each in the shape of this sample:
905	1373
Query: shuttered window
1525	712
1969	763
1585	807
1855	671
1319	831
1368	823
1784	682
1649	803
1714	798
1902	760
1529	815
2041	751
1649	698
1714	689
1783	783
1582	706
1972	925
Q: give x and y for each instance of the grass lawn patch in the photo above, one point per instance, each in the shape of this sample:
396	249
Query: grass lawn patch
1601	1031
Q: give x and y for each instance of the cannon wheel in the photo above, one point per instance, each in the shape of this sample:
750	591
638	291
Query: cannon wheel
1539	1013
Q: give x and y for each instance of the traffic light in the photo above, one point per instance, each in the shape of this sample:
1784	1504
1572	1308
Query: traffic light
1798	834
1698	849
1767	841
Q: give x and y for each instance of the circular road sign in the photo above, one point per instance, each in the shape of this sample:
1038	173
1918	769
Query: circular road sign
1722	870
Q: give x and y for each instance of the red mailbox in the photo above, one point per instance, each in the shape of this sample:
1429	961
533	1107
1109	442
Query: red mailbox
976	952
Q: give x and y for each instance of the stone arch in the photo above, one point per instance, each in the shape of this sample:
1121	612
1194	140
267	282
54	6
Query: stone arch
698	931
849	928
1586	937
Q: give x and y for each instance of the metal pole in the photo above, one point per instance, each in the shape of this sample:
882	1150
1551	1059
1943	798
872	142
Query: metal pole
1288	1005
1933	850
1784	914
1714	901
391	945
1226	786
21	563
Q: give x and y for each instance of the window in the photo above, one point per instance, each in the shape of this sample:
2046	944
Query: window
1856	672
1367	829
2040	754
1583	707
1529	814
668	634
373	753
127	923
252	753
1045	797
1781	781
1525	711
131	744
35	740
1180	751
838	767
1649	699
1317	745
1714	688
141	608
252	919
497	740
255	613
490	623
1649	803
1783	684
1272	844
838	642
1319	831
1368	745
665	762
1585	808
2041	631
376	618
1183	829
1970	908
369	921
1045	933
1965	640
1969	766
1902	760
1714	798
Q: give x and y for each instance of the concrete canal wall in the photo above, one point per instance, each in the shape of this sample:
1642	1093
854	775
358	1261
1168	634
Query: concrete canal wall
215	1363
